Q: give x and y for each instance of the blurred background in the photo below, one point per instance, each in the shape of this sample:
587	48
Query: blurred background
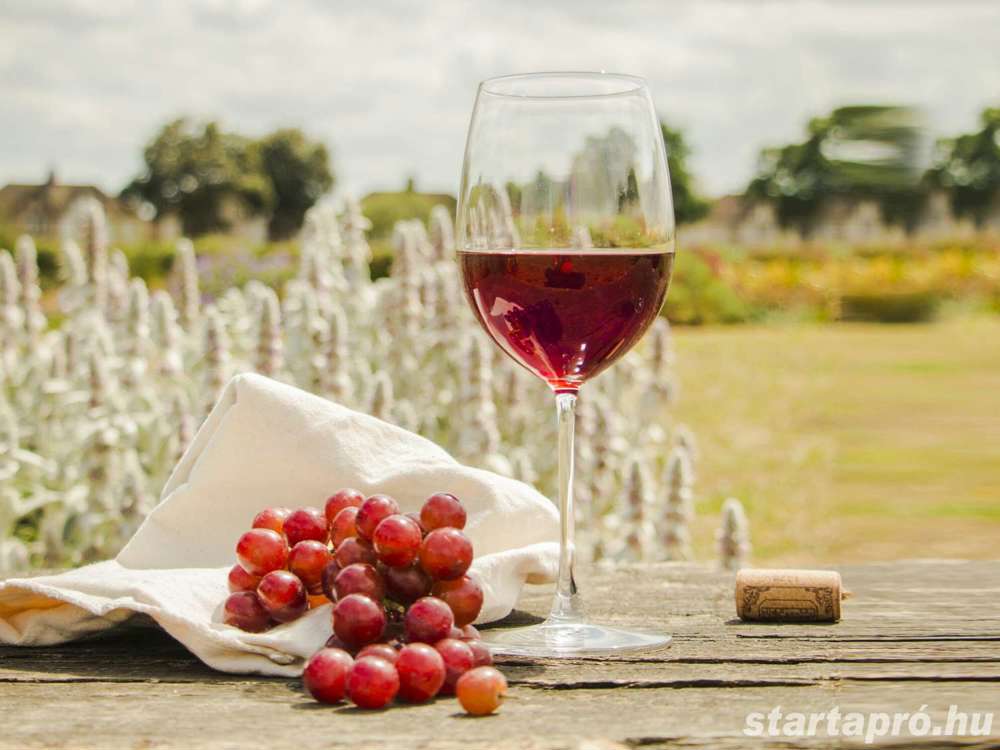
832	358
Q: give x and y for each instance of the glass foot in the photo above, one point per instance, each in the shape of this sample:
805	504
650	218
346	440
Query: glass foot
557	639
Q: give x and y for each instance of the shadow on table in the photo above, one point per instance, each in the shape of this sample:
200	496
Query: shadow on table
516	619
126	653
141	651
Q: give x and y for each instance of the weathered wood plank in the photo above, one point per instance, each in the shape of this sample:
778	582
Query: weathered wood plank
138	656
274	714
913	634
939	599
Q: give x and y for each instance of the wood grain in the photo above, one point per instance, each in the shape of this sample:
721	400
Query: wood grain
913	633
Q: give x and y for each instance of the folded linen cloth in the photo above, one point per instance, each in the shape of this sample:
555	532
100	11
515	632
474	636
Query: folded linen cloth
269	444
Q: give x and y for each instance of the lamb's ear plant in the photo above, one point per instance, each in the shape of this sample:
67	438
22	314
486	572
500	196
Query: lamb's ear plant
35	321
217	359
733	536
11	313
678	510
95	413
382	401
639	537
269	359
189	295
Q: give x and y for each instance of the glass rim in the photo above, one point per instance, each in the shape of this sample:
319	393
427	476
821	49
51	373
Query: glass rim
629	84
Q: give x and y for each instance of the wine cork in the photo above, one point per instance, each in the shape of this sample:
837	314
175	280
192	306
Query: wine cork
788	595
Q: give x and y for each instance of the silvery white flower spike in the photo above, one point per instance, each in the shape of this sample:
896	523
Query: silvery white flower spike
678	512
733	536
11	314
639	538
31	292
661	350
137	336
270	350
72	267
95	249
684	438
355	225
186	269
382	398
581	238
165	334
118	290
442	234
335	380
216	355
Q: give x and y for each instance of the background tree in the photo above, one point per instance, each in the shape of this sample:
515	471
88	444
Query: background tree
194	171
969	168
862	152
299	173
210	178
688	205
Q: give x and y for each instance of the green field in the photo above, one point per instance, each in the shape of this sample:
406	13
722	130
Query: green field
848	442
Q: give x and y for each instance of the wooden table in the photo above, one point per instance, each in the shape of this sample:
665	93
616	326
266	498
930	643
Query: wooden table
914	633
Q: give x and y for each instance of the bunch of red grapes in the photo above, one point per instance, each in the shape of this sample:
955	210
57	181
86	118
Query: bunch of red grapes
403	603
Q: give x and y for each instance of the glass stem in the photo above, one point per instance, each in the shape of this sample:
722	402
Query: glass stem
566	605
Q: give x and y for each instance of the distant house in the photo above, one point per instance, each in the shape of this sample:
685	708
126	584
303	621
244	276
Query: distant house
46	210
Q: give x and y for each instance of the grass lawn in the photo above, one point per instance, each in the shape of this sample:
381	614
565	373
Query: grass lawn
848	442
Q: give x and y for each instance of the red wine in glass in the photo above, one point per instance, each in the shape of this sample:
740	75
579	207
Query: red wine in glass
566	315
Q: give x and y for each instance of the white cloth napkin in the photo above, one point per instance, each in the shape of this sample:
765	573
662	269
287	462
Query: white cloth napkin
268	444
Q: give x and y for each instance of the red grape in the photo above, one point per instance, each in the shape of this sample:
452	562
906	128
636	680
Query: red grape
325	675
421	672
469	633
442	509
330	573
406	585
481	655
397	540
306	523
240	580
283	594
481	690
307	560
262	550
381	650
346	498
428	620
343	526
463	595
416	517
244	611
334	642
358	620
372	512
353	550
458	659
359	578
372	682
445	554
271	518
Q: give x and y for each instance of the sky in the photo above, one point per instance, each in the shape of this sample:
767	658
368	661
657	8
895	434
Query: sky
389	84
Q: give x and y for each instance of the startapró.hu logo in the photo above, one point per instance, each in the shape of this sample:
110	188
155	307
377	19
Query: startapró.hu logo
870	725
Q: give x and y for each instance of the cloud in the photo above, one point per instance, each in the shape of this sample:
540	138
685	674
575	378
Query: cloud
389	86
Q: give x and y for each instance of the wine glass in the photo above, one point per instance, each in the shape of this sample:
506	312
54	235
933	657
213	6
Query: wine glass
565	238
